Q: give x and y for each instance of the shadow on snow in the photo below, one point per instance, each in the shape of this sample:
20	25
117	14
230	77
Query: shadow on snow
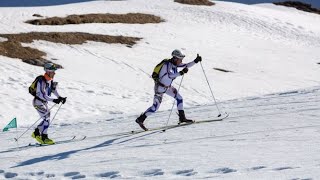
64	155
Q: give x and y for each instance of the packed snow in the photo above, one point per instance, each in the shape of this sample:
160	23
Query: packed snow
272	94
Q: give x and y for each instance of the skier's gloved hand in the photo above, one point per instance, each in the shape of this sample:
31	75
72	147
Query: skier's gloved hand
63	99
183	71
198	59
57	101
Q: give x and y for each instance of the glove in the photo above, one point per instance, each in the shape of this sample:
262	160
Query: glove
57	101
183	71
198	59
63	99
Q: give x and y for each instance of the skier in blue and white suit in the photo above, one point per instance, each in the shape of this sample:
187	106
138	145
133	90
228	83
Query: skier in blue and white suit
45	87
167	75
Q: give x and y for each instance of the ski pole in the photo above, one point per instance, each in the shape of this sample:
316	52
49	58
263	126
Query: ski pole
172	106
16	139
55	114
210	89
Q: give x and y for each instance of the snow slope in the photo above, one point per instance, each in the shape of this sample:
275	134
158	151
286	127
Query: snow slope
271	50
268	137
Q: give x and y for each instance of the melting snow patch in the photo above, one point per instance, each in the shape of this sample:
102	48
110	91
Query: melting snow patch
3	39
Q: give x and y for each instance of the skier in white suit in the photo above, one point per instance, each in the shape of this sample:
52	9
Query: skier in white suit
167	73
44	88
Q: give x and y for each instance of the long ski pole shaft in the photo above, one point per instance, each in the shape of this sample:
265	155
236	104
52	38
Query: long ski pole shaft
16	139
55	113
173	103
210	89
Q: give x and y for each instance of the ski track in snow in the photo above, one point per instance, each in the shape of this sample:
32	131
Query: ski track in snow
252	122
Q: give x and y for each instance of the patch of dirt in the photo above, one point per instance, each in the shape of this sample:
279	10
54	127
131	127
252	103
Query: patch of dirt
299	5
196	2
69	37
130	18
37	15
13	48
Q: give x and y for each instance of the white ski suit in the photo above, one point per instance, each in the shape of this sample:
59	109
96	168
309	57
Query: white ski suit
167	74
40	102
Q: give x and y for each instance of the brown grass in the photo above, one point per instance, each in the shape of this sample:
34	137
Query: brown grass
195	2
37	15
130	18
13	48
69	38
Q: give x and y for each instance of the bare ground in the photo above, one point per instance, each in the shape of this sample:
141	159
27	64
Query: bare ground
13	48
130	18
195	2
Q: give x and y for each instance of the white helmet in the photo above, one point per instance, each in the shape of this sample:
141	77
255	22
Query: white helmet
177	54
50	67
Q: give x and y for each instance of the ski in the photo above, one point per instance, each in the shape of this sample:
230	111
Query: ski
164	128
72	139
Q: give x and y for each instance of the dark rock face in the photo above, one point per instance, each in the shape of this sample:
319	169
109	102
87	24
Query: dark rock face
299	5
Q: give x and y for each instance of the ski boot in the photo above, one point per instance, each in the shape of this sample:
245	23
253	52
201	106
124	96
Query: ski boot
140	121
36	135
46	139
183	119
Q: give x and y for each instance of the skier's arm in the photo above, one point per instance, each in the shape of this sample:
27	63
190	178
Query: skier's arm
55	91
190	64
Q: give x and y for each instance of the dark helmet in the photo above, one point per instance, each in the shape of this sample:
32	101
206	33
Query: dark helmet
50	67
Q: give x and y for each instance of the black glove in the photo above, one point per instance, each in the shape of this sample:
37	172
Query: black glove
183	71
198	59
57	101
63	99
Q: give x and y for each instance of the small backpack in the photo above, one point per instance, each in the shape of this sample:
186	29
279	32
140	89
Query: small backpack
33	86
157	69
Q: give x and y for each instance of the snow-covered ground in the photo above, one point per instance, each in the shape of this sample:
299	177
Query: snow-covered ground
266	137
270	49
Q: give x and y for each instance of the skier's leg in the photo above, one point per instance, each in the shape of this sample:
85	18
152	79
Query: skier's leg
172	91
157	99
43	111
